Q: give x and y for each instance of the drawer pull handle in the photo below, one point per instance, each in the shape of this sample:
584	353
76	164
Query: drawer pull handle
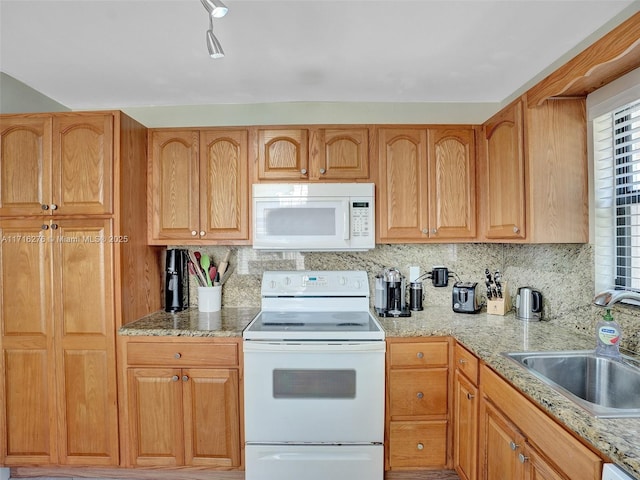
420	446
513	445
470	396
175	378
420	395
420	355
177	356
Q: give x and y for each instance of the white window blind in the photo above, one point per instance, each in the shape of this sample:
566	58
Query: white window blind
616	137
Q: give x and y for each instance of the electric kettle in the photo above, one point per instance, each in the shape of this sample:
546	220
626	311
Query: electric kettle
529	304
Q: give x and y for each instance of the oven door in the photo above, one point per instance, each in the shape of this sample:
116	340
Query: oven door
314	392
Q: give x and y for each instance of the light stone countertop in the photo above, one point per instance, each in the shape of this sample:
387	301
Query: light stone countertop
485	335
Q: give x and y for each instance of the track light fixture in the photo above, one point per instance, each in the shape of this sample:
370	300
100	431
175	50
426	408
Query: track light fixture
216	9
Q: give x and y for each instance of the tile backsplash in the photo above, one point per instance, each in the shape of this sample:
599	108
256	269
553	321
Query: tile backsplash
562	272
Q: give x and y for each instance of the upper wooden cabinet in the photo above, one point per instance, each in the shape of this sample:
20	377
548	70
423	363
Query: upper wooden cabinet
317	154
198	191
56	164
534	173
504	167
426	184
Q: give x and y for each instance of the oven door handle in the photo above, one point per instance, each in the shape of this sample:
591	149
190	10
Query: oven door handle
313	347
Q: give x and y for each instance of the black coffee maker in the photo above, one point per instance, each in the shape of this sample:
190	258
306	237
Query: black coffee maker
176	287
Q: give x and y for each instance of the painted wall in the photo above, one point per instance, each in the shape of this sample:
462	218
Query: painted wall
16	97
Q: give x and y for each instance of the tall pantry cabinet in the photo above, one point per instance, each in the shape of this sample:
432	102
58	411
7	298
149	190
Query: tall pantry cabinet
74	267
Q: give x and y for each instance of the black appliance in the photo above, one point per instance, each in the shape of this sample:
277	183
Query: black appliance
176	287
465	297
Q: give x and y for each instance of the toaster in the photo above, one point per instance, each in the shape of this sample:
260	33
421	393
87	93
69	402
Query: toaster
465	298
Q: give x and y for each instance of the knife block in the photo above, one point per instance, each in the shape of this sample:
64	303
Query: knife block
500	306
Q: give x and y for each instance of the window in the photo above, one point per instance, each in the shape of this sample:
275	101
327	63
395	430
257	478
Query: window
616	137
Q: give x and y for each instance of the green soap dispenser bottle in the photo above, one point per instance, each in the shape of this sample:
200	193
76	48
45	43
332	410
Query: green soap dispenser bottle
608	336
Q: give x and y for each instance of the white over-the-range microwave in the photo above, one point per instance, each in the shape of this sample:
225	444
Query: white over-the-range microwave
314	216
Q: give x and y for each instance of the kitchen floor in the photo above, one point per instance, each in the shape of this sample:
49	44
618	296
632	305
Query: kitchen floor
414	475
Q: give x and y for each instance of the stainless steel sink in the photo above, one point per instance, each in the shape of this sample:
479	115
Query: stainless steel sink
603	386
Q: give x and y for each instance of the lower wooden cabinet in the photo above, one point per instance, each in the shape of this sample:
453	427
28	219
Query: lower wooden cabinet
417	419
465	414
184	410
518	441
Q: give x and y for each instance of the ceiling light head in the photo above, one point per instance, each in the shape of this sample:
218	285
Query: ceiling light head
215	49
216	8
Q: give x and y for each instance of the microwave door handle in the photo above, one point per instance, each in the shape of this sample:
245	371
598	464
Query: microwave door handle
347	220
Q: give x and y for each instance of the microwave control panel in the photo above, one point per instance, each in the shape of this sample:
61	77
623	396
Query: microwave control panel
360	219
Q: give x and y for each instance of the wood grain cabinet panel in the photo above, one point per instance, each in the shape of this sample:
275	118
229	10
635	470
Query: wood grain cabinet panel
283	154
426	184
198	190
343	154
56	164
417	433
65	281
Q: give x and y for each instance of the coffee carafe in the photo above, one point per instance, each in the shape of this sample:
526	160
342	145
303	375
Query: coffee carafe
390	298
176	287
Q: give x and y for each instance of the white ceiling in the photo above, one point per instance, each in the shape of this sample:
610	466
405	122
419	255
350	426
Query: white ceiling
93	54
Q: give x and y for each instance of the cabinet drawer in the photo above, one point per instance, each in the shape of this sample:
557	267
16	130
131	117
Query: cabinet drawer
182	354
418	444
467	363
418	392
424	354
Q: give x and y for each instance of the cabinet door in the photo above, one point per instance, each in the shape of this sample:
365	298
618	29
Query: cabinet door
504	167
155	406
343	153
27	392
25	164
174	186
403	202
82	168
537	468
452	183
211	417
283	154
224	198
500	444
465	427
83	300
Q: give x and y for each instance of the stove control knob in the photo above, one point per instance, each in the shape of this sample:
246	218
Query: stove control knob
273	284
287	280
343	280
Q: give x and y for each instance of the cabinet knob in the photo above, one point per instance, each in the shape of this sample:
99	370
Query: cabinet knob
420	355
202	233
303	171
516	229
420	395
462	361
434	231
45	226
193	233
522	458
185	378
425	231
54	226
513	445
420	446
54	206
322	171
175	378
177	355
45	207
470	396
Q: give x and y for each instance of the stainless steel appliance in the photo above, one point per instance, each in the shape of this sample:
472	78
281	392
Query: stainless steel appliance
314	216
465	297
529	304
176	287
314	379
391	299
